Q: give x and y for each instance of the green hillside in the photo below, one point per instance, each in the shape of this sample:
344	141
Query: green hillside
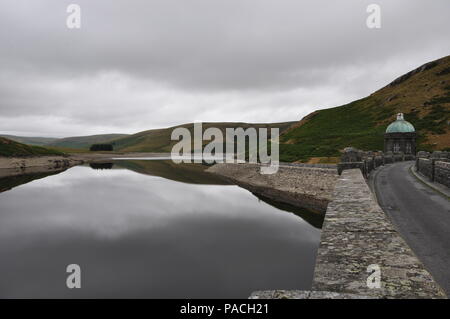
84	142
423	95
74	143
10	148
37	141
159	140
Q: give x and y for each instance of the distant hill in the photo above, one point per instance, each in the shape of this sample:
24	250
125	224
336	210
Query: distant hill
68	143
423	95
159	140
84	142
38	141
9	148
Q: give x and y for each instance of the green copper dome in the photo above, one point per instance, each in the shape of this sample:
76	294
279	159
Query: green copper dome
400	126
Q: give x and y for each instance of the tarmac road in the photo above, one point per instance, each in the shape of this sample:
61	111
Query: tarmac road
420	214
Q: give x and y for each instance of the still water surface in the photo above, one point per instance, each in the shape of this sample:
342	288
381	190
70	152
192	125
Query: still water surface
148	230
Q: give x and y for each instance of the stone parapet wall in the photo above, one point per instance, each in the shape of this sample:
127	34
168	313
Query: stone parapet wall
437	170
368	161
442	173
425	167
329	166
443	155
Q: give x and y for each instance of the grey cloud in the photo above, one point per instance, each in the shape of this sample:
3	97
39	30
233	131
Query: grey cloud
140	64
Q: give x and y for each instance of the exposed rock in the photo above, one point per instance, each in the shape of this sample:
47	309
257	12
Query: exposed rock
406	76
18	166
393	97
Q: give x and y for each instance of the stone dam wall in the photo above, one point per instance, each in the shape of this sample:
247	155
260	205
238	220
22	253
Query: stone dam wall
356	234
306	186
368	161
435	166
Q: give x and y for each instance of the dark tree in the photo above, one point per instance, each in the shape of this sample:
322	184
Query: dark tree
101	147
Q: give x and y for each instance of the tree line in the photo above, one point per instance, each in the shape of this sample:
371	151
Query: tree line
101	147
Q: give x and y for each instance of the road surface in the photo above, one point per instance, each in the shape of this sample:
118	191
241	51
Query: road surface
420	214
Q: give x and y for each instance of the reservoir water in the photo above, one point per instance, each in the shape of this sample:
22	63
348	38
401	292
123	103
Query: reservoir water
149	229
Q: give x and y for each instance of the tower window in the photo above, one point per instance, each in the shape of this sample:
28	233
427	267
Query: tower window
408	148
396	147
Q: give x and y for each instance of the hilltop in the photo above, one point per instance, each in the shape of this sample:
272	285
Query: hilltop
84	142
37	141
423	95
159	140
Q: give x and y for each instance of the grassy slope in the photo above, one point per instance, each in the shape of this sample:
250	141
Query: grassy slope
37	141
159	140
423	95
10	148
84	142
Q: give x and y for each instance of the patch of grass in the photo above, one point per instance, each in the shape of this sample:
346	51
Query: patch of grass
435	121
439	100
444	71
331	130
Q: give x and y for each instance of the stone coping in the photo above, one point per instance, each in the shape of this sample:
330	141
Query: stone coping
444	190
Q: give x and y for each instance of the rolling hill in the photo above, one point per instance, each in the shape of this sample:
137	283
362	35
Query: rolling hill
423	95
9	148
66	144
37	141
159	140
84	142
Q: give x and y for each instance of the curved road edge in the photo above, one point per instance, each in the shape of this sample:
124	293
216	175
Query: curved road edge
419	213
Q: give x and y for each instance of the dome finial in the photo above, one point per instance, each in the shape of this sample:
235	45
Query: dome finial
400	125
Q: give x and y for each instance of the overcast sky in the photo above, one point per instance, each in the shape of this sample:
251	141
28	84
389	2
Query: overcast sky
136	65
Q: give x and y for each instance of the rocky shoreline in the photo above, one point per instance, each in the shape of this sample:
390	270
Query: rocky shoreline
29	165
305	187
